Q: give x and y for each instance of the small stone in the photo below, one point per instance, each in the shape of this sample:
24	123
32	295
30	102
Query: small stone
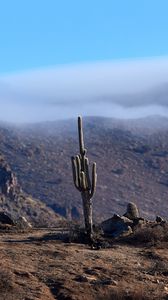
81	278
106	281
159	219
22	273
138	264
139	221
114	282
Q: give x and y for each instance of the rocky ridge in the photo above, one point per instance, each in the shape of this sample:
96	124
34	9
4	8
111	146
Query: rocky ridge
19	205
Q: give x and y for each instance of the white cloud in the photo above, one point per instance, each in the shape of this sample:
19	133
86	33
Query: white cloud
117	89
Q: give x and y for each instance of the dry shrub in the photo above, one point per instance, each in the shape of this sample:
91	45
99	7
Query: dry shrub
153	235
8	289
122	293
159	267
6	280
76	234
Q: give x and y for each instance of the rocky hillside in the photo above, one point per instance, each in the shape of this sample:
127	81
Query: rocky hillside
17	203
131	156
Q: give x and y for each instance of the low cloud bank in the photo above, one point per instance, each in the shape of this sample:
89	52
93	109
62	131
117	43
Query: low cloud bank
125	89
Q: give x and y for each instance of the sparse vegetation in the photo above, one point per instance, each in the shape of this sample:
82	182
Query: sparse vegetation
6	279
123	294
151	234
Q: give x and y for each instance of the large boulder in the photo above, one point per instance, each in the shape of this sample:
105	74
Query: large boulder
117	226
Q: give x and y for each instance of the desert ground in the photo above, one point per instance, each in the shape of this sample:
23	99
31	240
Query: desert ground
38	264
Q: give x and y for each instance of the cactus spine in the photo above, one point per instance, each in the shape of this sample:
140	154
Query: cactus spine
82	181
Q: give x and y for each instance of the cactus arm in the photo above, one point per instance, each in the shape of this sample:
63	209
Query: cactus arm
74	171
94	180
88	182
75	174
80	132
78	166
83	181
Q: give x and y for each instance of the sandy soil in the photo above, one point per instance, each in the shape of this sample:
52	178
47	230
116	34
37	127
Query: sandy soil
36	265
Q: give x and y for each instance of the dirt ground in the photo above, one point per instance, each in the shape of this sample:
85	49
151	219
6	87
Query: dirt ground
37	265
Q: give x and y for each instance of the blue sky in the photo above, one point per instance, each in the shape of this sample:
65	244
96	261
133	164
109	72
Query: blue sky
43	33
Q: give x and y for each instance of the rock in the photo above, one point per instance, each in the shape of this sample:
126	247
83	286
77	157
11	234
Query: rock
81	278
139	222
8	181
141	149
23	223
117	226
5	227
107	281
23	273
132	211
127	232
159	219
6	219
118	171
114	282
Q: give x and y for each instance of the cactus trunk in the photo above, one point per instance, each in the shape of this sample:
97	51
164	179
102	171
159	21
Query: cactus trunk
87	211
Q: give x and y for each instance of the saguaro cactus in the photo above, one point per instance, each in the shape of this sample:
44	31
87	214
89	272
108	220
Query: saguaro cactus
82	181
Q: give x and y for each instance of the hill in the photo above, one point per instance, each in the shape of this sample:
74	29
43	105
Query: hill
18	204
131	156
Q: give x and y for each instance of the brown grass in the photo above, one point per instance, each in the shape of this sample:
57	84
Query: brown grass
123	294
6	279
150	235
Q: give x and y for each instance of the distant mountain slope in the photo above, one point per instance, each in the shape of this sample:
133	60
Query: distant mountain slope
17	203
131	156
